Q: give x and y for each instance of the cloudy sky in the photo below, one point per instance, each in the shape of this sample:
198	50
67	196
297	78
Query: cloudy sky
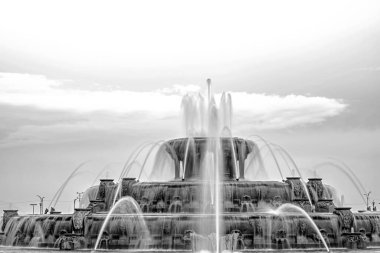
90	80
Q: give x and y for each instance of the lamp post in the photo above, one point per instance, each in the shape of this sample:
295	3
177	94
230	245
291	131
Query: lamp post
33	205
367	195
41	204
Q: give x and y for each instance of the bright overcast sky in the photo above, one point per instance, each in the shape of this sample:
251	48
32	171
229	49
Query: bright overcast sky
85	79
144	34
125	40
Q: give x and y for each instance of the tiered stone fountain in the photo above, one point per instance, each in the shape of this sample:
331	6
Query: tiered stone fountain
175	216
207	203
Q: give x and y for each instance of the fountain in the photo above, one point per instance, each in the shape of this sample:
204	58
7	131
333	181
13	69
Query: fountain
197	196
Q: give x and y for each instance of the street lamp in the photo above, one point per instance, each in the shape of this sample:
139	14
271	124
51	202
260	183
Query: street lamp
41	204
33	205
367	195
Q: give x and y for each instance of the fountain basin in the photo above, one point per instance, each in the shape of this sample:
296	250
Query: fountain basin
253	230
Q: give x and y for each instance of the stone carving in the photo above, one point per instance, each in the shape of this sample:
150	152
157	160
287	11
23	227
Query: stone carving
126	186
302	227
325	206
101	193
304	204
97	206
104	184
346	218
257	224
233	241
68	241
355	240
316	187
78	218
277	201
298	189
104	240
145	205
375	225
246	204
161	206
280	239
176	205
280	234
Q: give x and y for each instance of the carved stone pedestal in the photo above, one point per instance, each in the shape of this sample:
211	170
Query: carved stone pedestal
354	240
325	206
346	218
8	214
320	196
280	240
68	241
78	219
298	190
126	186
304	204
104	185
97	206
316	189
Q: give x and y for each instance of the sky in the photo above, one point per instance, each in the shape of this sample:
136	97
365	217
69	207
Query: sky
88	81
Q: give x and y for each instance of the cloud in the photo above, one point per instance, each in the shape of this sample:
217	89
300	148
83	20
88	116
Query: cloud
261	111
43	93
251	110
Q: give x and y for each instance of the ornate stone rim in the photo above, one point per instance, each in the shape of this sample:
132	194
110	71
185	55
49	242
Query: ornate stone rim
315	179
293	178
96	201
82	209
302	199
342	208
129	178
